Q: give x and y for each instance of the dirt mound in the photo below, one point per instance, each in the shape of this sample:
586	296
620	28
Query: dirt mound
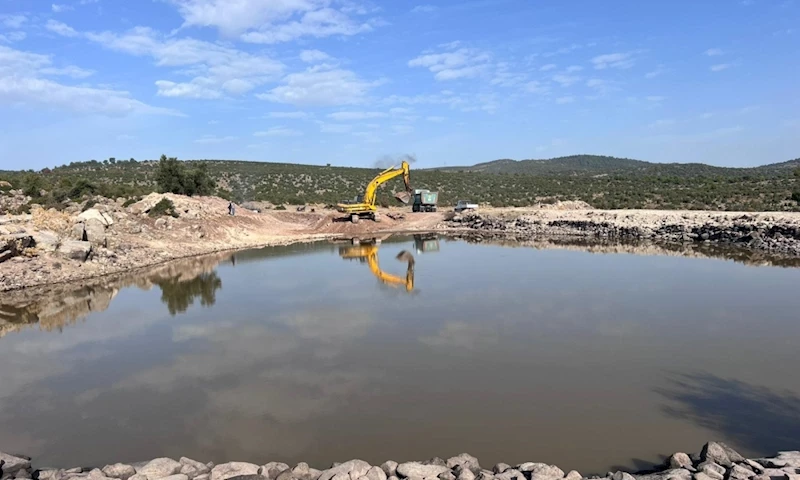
189	207
566	205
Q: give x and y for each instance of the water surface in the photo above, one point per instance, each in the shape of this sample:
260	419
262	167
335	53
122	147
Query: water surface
588	361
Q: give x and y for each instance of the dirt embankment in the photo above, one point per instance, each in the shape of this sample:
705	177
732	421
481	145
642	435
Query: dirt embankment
47	246
50	247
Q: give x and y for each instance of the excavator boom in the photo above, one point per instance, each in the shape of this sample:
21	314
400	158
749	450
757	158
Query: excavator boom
367	205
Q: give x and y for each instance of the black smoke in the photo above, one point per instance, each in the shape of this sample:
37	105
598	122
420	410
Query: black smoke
387	161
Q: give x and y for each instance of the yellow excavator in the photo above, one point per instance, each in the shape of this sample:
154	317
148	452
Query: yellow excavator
364	206
369	253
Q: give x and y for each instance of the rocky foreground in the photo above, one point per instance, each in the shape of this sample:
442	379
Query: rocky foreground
773	232
716	461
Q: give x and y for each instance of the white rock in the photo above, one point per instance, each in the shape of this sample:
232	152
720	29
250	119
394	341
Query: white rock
233	469
94	213
160	468
119	470
353	468
418	470
13	464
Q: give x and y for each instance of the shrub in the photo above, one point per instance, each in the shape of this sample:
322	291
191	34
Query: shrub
172	177
280	207
162	208
129	202
796	196
89	204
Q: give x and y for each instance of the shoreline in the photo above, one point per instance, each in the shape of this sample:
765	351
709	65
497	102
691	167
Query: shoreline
40	249
716	461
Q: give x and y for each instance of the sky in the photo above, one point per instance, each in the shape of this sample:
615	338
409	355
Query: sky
347	82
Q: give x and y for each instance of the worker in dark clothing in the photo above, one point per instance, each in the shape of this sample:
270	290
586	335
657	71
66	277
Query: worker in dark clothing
231	209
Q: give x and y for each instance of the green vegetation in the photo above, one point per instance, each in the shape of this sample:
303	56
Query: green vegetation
172	177
603	182
162	208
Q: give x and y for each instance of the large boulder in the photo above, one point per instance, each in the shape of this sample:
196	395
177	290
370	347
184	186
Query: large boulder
119	470
78	231
354	468
75	250
233	469
419	470
96	214
95	232
273	469
159	468
193	468
389	468
46	241
12	464
541	471
680	460
465	460
720	453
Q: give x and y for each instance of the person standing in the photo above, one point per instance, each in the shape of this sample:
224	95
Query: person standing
231	209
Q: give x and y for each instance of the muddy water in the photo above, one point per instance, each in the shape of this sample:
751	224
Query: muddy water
588	361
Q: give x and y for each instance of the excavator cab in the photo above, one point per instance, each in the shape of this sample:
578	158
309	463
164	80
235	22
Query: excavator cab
365	205
369	253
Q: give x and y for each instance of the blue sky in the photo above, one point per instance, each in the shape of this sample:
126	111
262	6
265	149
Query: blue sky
349	81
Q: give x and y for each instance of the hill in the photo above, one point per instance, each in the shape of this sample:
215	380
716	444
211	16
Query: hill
603	182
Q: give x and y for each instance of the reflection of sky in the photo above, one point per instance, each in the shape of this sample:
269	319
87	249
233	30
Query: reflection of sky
510	354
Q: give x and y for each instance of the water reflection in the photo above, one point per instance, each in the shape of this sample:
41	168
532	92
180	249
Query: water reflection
368	253
180	294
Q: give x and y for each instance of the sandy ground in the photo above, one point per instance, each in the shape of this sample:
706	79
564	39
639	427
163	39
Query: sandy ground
135	240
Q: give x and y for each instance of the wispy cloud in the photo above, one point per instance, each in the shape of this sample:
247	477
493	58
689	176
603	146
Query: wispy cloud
566	80
278	132
720	67
574	68
614	60
424	9
452	65
289	115
665	122
321	86
314	56
350	116
434	118
548	67
13	21
660	70
714	52
58	8
565	100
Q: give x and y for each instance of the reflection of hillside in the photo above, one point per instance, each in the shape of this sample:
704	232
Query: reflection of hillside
53	307
747	257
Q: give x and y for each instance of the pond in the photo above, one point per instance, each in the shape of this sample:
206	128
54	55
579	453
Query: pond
414	348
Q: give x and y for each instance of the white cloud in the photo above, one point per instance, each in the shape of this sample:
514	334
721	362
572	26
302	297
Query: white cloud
21	83
613	60
660	70
713	52
536	87
289	115
320	86
720	67
209	139
402	129
400	110
216	69
434	118
213	122
61	28
566	80
335	127
548	67
12	37
58	8
601	86
313	56
278	132
69	71
574	68
349	116
273	21
564	100
186	90
423	9
462	63
13	21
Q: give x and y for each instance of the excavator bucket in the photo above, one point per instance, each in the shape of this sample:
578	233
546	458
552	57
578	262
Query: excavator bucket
403	197
405	256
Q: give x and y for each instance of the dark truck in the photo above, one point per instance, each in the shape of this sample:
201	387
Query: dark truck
425	200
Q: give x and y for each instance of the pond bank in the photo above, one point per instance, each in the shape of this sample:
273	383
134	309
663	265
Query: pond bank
716	461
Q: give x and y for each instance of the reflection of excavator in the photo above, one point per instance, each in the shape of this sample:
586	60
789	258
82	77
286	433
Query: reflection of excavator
369	253
364	206
426	243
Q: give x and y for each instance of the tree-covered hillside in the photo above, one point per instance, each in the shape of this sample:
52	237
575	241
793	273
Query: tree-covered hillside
603	182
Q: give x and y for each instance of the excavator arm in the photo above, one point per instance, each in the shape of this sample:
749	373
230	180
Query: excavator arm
367	205
370	253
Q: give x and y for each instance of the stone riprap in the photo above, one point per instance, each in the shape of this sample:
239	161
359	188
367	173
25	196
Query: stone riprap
777	233
716	461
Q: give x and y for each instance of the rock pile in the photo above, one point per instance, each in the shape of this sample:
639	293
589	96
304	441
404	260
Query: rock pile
716	461
747	231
